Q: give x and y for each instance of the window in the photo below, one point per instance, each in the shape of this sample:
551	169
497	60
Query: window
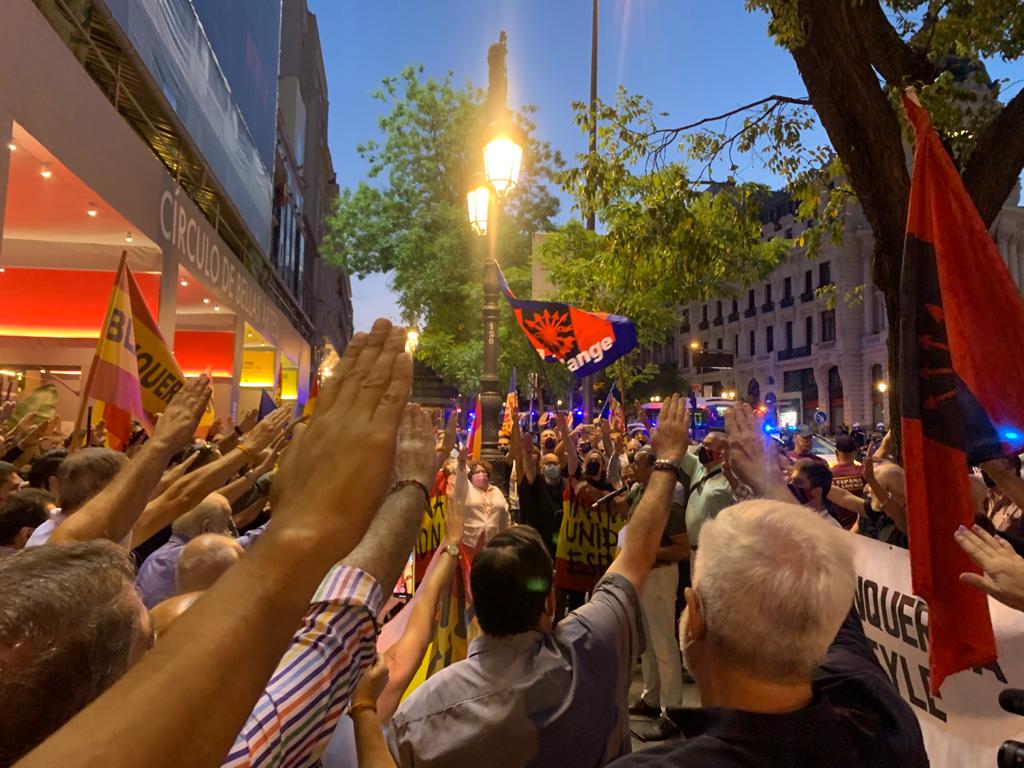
828	325
753	344
787	288
750	299
789	335
735	307
736	345
704	315
718	343
718	315
767	293
808	282
809	331
824	274
769	339
705	346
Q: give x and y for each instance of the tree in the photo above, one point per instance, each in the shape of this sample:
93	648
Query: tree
666	239
855	58
410	220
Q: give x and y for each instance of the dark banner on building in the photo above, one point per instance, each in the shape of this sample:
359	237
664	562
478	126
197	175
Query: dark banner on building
246	37
171	43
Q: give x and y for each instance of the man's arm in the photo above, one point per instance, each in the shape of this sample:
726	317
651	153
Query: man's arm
571	457
250	612
113	512
371	749
188	491
645	529
753	464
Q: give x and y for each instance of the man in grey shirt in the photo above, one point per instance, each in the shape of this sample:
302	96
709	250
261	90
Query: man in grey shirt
534	694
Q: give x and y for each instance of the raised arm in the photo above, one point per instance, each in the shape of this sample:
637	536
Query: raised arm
371	748
189	490
572	458
251	611
404	657
753	464
113	512
670	442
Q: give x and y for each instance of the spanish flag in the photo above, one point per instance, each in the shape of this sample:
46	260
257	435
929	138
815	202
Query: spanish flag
961	394
511	405
314	392
613	410
475	434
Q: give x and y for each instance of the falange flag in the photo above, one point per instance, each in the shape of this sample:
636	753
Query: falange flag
584	342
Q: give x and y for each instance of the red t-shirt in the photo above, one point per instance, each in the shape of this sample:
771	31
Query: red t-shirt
849	477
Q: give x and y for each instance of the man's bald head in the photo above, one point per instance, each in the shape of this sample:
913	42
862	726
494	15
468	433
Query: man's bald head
211	515
204	559
163	614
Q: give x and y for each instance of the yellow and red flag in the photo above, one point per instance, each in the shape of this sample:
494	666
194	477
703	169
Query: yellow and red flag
473	444
511	405
314	392
133	372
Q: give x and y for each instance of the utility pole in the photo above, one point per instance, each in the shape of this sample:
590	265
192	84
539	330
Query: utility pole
588	381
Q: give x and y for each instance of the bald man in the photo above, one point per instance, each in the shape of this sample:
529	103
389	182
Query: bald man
710	491
204	559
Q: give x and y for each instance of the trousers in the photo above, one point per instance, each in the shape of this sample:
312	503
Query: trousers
661	659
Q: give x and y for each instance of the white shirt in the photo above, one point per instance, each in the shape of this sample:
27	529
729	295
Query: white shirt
484	512
42	534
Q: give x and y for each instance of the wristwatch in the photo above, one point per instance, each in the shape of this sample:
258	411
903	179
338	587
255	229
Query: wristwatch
453	550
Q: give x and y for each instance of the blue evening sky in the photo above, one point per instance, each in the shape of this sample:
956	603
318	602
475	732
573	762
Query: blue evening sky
692	58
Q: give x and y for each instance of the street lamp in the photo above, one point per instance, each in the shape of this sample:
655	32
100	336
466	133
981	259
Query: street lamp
502	149
882	387
694	345
412	340
477	202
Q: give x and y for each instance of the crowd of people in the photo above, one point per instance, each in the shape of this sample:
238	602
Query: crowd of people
228	601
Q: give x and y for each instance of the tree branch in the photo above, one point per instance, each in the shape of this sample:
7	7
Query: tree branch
996	162
895	59
801	100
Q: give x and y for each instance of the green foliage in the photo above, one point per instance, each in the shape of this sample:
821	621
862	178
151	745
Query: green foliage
409	219
665	239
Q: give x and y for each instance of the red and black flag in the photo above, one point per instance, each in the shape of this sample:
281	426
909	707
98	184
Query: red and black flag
962	395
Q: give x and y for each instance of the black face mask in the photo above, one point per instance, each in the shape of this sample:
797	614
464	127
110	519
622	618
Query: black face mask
801	494
550	443
584	447
593	468
503	449
704	456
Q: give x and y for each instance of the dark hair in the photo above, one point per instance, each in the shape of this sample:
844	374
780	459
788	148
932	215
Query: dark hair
7	468
818	473
511	580
22	509
483	464
66	635
45	467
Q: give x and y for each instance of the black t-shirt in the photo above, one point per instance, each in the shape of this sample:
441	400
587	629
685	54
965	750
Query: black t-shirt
856	719
540	506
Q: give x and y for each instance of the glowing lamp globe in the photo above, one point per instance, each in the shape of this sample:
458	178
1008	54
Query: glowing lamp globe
503	158
477	201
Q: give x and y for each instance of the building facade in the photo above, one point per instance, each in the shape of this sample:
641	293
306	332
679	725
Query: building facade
190	136
813	335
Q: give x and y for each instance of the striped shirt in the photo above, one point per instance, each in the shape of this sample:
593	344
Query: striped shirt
301	705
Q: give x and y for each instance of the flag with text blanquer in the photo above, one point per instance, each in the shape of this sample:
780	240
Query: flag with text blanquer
584	342
961	391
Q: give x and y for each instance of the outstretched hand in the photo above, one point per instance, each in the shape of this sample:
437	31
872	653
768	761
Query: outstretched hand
672	437
323	486
1003	576
749	460
266	432
416	458
178	423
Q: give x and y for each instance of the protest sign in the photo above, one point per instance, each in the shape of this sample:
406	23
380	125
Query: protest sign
586	543
965	725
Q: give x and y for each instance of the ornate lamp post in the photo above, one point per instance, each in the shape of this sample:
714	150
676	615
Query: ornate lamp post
502	160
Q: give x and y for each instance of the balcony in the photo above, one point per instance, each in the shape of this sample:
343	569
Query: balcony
768	306
794	353
708	360
807	296
703	325
733	317
718	321
751	312
786	303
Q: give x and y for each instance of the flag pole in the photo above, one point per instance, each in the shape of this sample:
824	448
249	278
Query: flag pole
96	356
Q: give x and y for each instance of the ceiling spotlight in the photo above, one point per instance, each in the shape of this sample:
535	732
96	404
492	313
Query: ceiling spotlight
249	334
11	145
216	309
128	238
206	301
92	211
183	283
45	171
1	270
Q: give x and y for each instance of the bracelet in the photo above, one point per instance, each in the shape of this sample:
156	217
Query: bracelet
664	465
360	705
410	481
249	453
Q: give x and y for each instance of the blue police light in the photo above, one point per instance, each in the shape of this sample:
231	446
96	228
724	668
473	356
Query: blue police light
1009	435
791	428
769	429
